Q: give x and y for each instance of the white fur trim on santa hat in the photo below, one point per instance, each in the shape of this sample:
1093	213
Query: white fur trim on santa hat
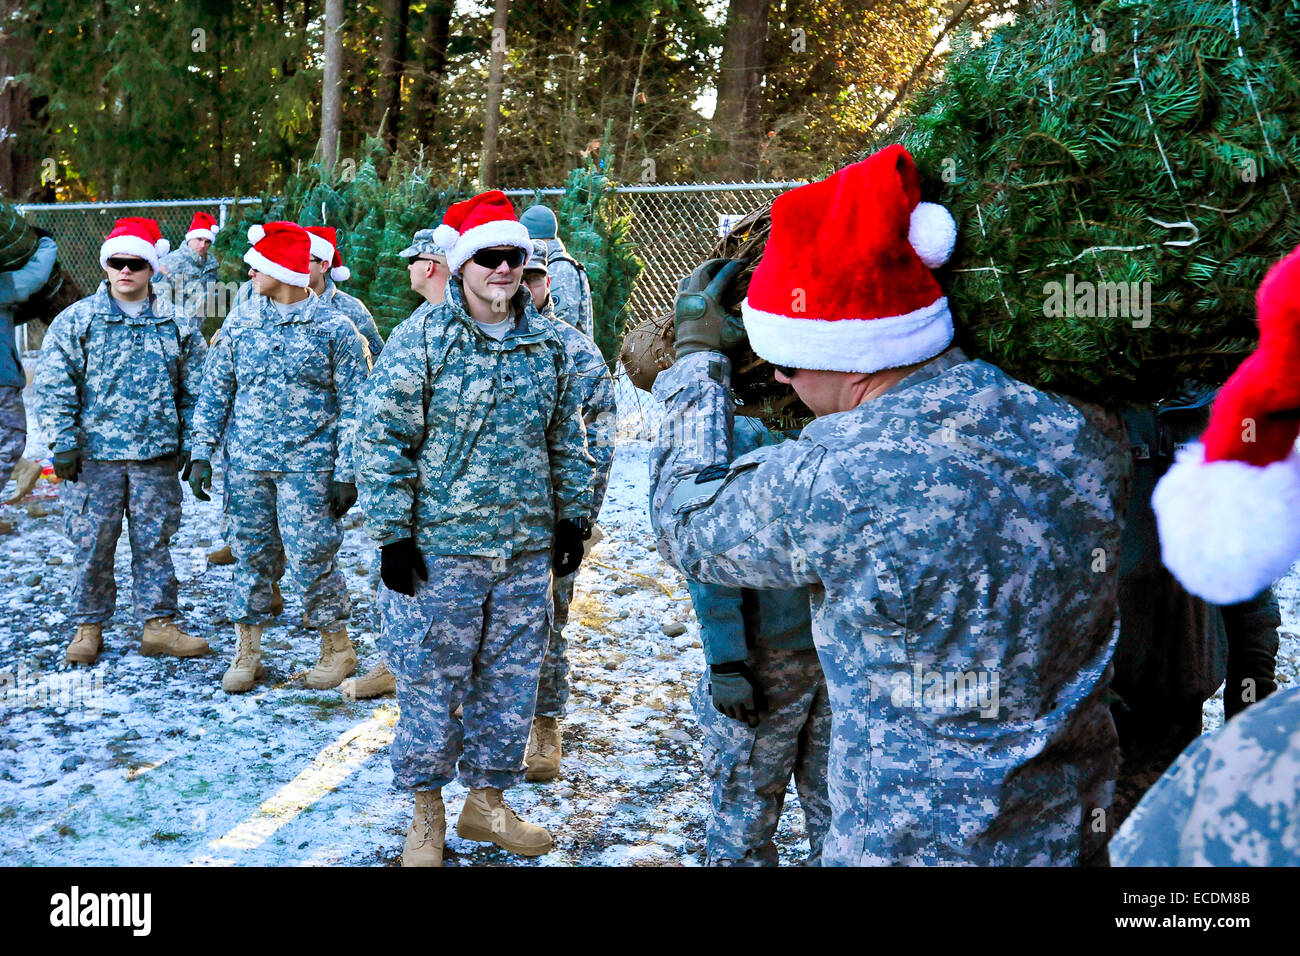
340	273
132	246
276	271
498	232
444	237
932	232
1228	529
208	234
850	345
321	248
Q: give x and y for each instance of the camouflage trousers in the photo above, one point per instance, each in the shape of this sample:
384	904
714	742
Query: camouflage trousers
263	505
13	429
148	493
750	768
553	682
473	634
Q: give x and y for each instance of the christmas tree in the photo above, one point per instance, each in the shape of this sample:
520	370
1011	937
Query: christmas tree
1122	174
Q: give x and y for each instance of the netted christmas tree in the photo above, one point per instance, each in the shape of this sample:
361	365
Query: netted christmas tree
597	236
1122	174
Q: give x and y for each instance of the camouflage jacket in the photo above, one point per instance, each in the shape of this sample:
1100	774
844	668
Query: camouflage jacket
596	396
958	535
189	283
473	446
732	620
1228	800
282	390
357	312
118	387
570	290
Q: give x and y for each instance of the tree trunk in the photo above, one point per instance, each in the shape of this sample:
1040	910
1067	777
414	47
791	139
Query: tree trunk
394	67
487	170
737	118
331	113
433	62
20	168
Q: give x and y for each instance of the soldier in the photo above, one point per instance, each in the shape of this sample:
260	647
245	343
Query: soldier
16	286
117	382
1229	800
570	290
188	275
475	479
327	269
280	385
957	529
600	416
426	261
763	707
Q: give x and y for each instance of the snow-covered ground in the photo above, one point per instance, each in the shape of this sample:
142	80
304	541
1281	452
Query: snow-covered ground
146	761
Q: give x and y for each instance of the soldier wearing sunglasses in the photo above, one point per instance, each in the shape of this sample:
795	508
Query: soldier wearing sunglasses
476	482
117	382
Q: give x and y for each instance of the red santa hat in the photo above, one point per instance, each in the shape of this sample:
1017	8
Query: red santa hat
487	219
135	236
845	281
282	250
1228	510
325	246
203	226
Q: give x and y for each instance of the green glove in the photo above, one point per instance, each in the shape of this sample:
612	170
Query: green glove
703	325
200	478
67	464
736	692
183	464
343	495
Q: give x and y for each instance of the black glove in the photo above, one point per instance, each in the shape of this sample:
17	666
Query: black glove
736	692
343	495
67	464
183	464
566	553
399	563
703	325
200	478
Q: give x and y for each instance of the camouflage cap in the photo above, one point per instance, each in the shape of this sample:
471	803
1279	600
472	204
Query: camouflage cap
423	244
536	261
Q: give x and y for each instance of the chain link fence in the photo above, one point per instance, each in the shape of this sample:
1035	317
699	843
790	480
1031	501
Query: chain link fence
673	229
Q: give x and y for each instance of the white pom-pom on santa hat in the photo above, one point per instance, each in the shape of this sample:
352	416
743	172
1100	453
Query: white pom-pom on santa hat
932	232
1228	528
256	234
444	237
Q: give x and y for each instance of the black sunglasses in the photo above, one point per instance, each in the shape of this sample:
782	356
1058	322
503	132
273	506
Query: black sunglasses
135	265
492	258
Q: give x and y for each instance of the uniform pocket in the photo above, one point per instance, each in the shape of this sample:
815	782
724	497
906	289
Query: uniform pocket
728	744
307	357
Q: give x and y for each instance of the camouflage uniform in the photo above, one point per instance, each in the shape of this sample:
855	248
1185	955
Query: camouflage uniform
357	313
17	286
282	390
475	448
246	292
600	416
1229	800
958	534
570	290
189	282
750	768
122	389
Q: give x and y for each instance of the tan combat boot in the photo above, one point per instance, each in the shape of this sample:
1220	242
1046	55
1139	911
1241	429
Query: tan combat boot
222	555
25	475
542	762
487	819
277	599
337	660
427	832
85	647
246	668
162	636
376	683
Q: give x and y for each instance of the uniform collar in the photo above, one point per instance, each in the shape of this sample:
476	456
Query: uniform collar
305	311
527	328
950	357
105	304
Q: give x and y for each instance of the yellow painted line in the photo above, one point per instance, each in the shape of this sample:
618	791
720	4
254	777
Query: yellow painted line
334	764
